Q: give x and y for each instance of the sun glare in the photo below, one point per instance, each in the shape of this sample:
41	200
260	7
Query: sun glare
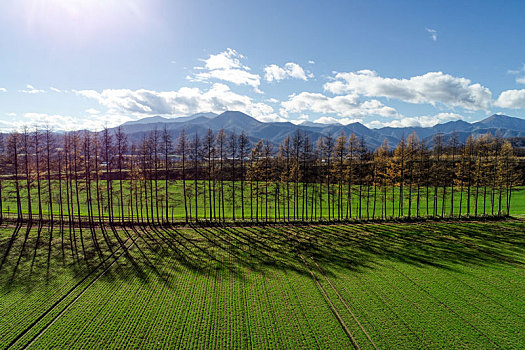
78	20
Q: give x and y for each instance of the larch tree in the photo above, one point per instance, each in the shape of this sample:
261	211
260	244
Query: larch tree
121	145
167	147
209	146
285	154
437	169
267	172
296	149
37	148
381	160
50	152
351	155
107	151
154	144
13	152
182	150
454	145
307	153
220	142
26	149
255	173
195	158
233	153
244	149
509	172
340	154
412	147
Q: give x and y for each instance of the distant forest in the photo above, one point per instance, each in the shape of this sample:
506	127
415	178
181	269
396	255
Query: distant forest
83	177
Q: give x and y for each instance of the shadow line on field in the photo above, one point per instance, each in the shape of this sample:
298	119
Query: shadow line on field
163	251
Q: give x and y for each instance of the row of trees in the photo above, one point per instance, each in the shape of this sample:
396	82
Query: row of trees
85	177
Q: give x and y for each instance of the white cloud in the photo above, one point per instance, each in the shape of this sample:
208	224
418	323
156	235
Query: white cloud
226	66
289	70
184	101
514	99
311	62
271	118
432	88
11	114
422	121
332	120
228	59
300	120
274	72
236	76
30	89
520	71
64	122
3	90
55	89
342	106
92	111
433	33
517	71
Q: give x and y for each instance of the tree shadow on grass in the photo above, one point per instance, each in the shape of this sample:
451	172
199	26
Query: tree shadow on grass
33	256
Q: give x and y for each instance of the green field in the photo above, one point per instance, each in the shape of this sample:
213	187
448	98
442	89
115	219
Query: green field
425	285
319	207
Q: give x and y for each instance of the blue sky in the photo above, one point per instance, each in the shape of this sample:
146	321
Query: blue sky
90	63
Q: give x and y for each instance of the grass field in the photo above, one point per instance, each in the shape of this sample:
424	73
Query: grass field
312	205
426	285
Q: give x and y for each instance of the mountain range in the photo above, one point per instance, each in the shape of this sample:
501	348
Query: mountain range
275	132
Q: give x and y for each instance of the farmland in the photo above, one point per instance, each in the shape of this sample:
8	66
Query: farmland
434	284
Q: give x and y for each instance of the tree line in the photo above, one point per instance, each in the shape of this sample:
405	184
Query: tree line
82	177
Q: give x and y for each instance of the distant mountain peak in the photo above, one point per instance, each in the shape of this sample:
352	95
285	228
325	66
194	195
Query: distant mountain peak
502	121
235	119
235	114
275	132
497	116
159	119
